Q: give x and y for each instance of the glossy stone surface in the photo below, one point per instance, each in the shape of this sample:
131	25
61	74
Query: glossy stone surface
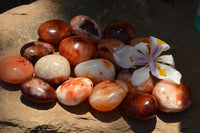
119	30
106	48
107	95
33	51
54	31
15	69
37	90
77	49
54	69
74	91
125	75
141	106
172	97
97	70
86	26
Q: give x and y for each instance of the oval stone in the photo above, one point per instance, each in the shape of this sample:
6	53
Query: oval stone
15	69
97	70
54	31
107	95
140	106
54	69
74	91
33	51
172	97
37	90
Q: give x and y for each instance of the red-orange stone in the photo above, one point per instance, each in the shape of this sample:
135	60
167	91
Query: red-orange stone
33	51
37	90
77	49
54	31
140	106
15	69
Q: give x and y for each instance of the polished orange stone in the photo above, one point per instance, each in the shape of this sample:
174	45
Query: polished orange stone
172	97
15	69
54	31
107	95
77	49
140	106
37	90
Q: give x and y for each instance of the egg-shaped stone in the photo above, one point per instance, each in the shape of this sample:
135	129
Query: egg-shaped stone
74	91
97	70
125	75
54	31
172	97
77	49
37	90
15	69
54	69
140	106
33	51
107	95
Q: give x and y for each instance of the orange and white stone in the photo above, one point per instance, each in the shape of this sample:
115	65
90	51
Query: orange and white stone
74	91
97	70
107	95
172	97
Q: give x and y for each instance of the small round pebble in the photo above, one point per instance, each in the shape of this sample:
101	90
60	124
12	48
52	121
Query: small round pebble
54	69
15	69
74	91
77	49
107	95
33	51
141	106
54	31
172	97
37	90
97	70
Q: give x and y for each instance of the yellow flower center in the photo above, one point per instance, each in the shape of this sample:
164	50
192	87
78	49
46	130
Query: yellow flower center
160	42
162	72
131	58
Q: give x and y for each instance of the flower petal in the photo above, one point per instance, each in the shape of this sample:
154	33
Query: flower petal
143	48
140	76
167	72
128	57
157	46
167	59
124	57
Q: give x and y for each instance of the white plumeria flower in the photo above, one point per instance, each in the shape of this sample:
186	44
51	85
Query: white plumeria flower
161	67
